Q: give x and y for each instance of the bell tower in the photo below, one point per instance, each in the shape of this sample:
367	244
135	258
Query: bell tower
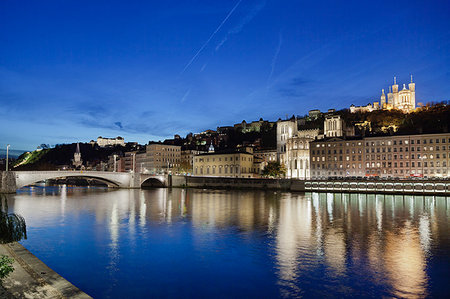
395	93
383	99
412	90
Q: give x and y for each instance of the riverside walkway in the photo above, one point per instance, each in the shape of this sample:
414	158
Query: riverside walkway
31	278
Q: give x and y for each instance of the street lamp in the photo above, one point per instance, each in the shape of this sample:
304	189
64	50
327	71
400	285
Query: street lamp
421	159
7	152
134	162
115	163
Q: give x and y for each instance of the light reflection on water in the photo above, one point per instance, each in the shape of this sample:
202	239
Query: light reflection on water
206	243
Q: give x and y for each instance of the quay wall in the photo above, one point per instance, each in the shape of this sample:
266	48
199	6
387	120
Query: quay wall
429	187
237	183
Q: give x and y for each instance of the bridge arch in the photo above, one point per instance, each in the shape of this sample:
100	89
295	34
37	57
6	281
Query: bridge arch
100	179
25	178
152	182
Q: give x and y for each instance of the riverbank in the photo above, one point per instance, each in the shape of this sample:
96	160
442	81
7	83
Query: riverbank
344	185
33	279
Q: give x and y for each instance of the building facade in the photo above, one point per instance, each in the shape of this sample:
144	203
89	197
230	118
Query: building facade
161	158
286	129
129	161
102	142
337	157
187	159
298	155
262	157
403	156
404	99
225	164
410	155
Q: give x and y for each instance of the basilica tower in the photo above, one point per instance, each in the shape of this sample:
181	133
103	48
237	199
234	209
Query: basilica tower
383	100
395	93
412	89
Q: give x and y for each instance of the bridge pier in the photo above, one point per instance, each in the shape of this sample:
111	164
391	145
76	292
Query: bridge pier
8	182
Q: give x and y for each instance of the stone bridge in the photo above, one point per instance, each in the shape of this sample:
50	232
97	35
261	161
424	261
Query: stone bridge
12	180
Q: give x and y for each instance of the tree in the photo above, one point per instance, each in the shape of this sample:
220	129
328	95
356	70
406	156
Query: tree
12	229
12	226
274	169
5	266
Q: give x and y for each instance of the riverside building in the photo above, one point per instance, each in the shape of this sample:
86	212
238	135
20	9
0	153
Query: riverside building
286	129
402	156
298	155
225	164
424	155
161	158
187	159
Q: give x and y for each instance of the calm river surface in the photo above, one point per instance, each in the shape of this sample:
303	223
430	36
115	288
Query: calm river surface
218	243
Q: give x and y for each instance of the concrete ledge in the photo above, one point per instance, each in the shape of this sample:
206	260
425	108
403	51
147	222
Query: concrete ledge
42	281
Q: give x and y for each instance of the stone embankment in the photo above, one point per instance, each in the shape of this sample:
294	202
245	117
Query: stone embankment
31	278
382	186
237	183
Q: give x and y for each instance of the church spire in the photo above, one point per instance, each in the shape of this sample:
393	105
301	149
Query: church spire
395	80
411	79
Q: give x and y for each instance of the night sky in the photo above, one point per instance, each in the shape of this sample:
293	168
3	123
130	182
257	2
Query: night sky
146	70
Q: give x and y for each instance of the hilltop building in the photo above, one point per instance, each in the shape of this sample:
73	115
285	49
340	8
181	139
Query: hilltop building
103	142
254	126
334	126
404	99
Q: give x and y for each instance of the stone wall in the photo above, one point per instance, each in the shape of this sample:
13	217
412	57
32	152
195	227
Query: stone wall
237	183
7	182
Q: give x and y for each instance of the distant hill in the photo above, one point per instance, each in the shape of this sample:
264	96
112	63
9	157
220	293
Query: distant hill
432	118
52	158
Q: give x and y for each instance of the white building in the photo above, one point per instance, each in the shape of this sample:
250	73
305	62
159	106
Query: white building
297	154
102	142
285	129
404	99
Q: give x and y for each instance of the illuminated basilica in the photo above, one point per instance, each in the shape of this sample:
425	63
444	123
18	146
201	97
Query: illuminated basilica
404	99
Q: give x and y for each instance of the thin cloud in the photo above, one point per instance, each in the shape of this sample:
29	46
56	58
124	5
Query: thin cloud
238	28
211	36
275	57
186	94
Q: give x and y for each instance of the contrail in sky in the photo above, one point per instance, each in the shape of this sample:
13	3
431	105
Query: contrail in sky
186	94
275	57
212	35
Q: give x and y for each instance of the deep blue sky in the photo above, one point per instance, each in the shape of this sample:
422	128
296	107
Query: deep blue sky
145	70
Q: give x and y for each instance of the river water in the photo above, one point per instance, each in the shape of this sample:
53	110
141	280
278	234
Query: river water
181	243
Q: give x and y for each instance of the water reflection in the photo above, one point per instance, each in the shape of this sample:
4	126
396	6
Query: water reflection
311	244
